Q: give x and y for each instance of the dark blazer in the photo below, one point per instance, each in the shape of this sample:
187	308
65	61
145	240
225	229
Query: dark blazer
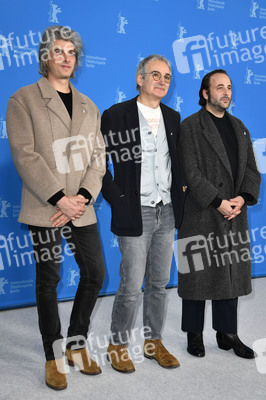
121	132
222	245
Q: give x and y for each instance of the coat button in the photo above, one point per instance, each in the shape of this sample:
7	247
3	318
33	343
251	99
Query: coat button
153	202
136	192
149	133
220	184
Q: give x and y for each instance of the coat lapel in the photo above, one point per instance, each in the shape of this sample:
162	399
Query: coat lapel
132	116
79	111
241	137
171	137
132	122
212	135
53	102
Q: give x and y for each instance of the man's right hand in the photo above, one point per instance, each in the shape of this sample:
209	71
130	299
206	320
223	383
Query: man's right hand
72	206
227	207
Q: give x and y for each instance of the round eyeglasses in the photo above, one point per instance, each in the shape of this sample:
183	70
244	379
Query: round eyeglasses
156	75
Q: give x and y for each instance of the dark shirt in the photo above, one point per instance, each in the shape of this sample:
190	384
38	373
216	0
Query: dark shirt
228	137
229	140
67	100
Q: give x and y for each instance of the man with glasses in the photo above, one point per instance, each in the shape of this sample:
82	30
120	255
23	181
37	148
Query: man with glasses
146	195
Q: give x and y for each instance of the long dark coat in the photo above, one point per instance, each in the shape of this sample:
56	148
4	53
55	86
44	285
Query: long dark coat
213	253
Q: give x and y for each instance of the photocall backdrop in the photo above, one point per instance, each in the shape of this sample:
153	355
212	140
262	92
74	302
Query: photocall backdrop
197	36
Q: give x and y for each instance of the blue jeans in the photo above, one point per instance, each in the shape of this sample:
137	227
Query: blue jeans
150	256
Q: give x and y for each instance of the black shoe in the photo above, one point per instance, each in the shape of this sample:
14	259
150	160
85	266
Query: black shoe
195	345
227	341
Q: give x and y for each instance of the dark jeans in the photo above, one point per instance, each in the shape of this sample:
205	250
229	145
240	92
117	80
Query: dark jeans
224	315
86	246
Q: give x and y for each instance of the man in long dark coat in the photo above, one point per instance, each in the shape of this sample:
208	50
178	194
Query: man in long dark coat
214	260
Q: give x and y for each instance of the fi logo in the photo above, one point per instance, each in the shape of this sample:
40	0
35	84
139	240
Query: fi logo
260	150
191	54
193	254
73	343
259	346
71	154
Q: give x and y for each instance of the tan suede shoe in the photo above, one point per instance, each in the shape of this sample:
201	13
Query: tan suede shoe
119	358
55	375
82	359
154	349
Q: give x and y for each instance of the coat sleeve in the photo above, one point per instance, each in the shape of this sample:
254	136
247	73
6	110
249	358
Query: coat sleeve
92	180
252	178
110	190
30	165
202	190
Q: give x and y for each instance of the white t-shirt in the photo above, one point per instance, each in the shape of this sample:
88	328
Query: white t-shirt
152	116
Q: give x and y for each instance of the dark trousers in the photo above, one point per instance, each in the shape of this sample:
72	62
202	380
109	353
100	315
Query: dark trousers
86	247
224	315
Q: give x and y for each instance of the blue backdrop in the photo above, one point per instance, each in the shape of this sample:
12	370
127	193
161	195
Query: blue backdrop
196	35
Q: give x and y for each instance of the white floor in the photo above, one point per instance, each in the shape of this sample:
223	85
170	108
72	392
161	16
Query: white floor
219	376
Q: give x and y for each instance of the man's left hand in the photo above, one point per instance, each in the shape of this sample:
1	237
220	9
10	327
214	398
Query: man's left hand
59	219
237	208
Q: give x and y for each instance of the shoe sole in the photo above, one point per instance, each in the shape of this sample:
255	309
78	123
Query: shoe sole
224	347
201	355
55	387
163	366
119	370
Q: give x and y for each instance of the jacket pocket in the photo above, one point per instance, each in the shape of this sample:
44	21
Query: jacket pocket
121	213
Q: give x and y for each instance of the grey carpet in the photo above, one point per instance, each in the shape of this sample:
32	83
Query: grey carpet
220	375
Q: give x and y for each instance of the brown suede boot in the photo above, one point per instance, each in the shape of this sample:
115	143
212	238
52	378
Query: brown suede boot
82	359
55	375
119	358
154	349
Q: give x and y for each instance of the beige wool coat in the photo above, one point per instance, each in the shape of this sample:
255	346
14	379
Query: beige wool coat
51	152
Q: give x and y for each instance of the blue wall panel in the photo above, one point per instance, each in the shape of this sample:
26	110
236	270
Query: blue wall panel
196	35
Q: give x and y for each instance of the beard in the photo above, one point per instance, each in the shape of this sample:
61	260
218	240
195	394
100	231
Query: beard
218	104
